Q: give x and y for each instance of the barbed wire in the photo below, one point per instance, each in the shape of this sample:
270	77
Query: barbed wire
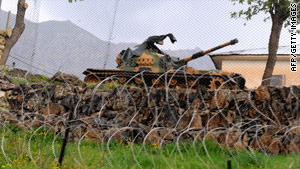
129	117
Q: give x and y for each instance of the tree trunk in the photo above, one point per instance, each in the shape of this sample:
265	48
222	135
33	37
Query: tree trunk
273	47
16	32
279	13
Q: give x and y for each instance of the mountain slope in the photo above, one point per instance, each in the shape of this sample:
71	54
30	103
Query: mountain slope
64	46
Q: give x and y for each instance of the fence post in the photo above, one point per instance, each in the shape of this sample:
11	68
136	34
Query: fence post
65	141
228	164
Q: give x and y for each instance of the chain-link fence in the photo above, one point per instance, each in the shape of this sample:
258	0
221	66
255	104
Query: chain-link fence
153	114
91	34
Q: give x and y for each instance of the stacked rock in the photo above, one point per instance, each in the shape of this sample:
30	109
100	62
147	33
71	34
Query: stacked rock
4	34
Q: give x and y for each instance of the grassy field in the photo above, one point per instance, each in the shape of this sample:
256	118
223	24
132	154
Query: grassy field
40	149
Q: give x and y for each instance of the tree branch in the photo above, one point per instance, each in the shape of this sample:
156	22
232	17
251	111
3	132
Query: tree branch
271	2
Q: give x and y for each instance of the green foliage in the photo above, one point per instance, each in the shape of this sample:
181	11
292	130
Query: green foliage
91	85
18	80
44	77
4	68
266	6
78	83
12	127
36	146
40	79
37	79
109	85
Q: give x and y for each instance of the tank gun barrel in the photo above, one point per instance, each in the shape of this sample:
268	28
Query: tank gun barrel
202	53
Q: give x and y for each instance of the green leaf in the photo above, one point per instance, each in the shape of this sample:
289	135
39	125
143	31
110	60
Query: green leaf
233	14
241	1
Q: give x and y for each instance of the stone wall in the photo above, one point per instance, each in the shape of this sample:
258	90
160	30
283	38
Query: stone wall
4	34
265	119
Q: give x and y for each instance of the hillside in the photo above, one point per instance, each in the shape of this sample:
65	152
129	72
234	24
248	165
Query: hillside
64	46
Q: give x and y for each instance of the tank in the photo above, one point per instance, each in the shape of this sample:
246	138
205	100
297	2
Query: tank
147	65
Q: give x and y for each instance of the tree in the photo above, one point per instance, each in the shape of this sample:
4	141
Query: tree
279	11
16	32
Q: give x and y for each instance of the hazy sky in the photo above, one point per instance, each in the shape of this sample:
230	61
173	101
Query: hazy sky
194	23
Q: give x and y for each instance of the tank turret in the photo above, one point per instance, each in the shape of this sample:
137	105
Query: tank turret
148	57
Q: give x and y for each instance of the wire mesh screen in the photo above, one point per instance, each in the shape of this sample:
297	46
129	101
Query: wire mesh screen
145	112
73	37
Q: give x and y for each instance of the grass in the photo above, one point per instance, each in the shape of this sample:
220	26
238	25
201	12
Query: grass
4	69
39	79
30	79
40	148
18	80
109	85
44	80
